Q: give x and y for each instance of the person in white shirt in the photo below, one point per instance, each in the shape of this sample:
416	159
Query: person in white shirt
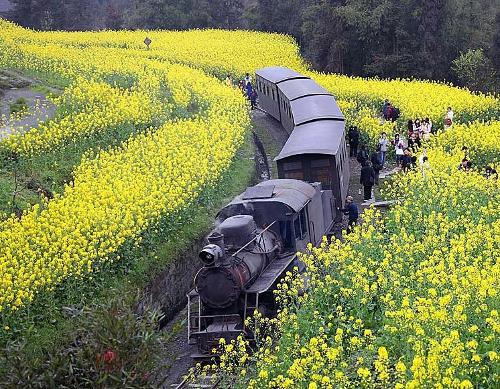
426	129
383	144
399	146
248	79
448	119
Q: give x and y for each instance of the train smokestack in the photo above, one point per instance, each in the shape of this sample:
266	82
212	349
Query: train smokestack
218	239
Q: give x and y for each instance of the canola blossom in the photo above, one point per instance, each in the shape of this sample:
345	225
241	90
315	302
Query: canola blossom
93	108
409	300
121	192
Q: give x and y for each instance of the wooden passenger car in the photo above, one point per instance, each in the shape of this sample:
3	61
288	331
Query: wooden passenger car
317	152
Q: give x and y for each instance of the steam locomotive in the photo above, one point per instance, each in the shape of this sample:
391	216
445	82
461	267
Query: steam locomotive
257	235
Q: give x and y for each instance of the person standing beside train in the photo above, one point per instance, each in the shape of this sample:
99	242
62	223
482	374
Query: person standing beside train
362	155
353	137
367	179
352	211
253	99
248	79
248	91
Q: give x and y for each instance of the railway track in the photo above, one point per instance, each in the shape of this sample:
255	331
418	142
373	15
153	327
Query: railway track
207	382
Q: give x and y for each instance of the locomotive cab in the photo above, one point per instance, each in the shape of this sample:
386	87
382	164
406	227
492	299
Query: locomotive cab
253	245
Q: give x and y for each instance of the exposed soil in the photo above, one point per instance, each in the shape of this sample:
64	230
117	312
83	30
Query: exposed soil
13	87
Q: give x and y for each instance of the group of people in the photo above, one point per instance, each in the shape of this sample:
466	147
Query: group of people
389	111
466	165
371	163
246	88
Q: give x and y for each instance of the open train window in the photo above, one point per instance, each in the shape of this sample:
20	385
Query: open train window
286	234
300	225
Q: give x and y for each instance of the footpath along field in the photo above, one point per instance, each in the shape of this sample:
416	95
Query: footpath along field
411	299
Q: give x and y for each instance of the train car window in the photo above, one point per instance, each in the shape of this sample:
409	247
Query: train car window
292	165
320	162
322	175
272	91
295	175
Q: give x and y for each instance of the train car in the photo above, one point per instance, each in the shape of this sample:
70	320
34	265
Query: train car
266	83
255	242
316	149
258	234
304	100
317	152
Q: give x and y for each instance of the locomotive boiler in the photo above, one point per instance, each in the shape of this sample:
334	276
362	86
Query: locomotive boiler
237	254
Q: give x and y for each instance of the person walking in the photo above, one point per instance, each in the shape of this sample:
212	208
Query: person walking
367	179
352	211
353	137
362	155
253	99
376	160
384	108
399	147
248	79
383	144
248	91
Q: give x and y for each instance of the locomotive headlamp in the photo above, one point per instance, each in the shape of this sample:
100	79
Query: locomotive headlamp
210	254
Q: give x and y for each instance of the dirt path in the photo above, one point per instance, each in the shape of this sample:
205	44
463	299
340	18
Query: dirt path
40	108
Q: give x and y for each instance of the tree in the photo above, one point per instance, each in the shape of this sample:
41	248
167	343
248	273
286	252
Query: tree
475	71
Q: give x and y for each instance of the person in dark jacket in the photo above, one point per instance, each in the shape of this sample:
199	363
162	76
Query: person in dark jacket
367	179
353	137
384	108
407	160
377	163
352	211
253	99
248	90
362	155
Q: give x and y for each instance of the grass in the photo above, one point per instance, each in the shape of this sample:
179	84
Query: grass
272	149
47	326
19	106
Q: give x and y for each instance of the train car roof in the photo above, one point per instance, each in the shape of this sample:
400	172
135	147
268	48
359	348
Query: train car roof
295	88
319	137
277	74
308	108
293	193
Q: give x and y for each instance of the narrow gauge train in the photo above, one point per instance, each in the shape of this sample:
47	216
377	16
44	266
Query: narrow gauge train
258	234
